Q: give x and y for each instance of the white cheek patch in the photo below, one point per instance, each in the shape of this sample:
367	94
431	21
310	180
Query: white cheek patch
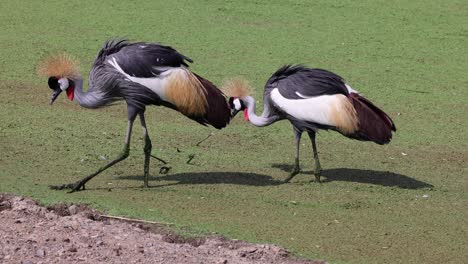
237	104
63	83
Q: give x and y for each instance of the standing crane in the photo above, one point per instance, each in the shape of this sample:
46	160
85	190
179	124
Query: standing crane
142	74
313	99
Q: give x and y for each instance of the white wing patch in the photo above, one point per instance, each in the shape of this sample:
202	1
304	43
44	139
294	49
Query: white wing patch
157	84
350	90
313	109
303	96
328	110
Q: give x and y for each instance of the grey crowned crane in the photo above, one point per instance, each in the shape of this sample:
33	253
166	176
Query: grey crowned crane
313	99
142	74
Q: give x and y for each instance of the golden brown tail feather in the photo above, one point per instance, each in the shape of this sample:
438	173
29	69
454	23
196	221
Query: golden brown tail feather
374	124
186	93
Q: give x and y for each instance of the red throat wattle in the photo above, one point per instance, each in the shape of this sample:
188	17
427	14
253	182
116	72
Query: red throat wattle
71	93
246	114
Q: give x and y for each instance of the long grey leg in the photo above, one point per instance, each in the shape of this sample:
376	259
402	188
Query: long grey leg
296	169
146	149
318	168
123	155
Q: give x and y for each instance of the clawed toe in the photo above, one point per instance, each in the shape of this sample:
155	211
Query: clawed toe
62	187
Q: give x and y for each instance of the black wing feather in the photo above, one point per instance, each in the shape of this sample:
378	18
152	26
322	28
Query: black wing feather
139	59
290	79
110	47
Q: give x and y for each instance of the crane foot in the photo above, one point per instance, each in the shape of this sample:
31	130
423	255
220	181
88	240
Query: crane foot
295	171
73	186
317	172
317	178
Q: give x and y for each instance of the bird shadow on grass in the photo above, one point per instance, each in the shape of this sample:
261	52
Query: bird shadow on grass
383	178
239	178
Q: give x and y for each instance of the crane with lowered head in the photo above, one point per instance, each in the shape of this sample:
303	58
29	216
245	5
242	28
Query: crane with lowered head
141	74
312	99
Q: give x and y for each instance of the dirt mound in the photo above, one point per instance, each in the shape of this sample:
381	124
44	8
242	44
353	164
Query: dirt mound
30	234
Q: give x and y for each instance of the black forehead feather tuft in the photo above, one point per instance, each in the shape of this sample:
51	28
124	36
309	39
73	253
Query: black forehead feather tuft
53	83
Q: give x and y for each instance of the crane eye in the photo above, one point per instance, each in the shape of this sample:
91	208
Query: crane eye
63	83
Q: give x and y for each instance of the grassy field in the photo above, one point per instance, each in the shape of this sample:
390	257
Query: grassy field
405	202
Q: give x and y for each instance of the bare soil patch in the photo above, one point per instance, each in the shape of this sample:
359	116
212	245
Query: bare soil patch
30	233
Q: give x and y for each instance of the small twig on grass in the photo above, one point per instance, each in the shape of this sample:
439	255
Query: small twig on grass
199	142
415	91
191	156
134	220
161	160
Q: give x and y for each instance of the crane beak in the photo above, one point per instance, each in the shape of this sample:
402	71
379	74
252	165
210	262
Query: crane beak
55	94
234	112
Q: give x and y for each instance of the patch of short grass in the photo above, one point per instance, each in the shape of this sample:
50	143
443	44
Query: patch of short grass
404	202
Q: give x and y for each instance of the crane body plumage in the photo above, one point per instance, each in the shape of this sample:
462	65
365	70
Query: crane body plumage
151	74
312	100
141	74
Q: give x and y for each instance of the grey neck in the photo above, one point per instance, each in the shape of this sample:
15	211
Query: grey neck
264	119
89	99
